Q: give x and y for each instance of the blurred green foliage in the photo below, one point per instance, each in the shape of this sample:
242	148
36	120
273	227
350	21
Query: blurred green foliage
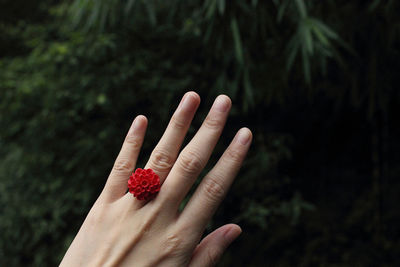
314	80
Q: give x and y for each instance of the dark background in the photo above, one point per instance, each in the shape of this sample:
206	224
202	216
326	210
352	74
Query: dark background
316	81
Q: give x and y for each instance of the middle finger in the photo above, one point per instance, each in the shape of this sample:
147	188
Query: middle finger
164	154
195	155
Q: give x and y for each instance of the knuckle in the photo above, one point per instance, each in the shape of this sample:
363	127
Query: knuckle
122	165
212	123
177	123
161	160
190	162
96	217
233	155
133	141
213	189
147	222
173	244
213	256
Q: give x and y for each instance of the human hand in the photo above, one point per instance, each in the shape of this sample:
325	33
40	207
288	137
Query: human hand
121	230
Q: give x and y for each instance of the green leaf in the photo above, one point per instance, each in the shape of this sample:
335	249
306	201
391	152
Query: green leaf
95	11
324	28
209	30
373	5
221	6
321	37
103	19
302	8
237	41
211	7
324	33
293	48
248	89
149	4
305	33
129	6
306	65
281	10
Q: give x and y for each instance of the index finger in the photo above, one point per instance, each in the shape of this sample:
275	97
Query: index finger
126	161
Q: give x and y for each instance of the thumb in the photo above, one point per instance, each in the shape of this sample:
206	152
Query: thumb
211	248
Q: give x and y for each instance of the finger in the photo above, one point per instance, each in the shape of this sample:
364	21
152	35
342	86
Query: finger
164	154
116	185
195	155
216	183
211	248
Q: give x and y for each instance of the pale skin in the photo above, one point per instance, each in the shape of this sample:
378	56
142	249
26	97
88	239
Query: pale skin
123	231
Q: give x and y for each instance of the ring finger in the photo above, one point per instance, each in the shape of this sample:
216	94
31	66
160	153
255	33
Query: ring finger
164	154
166	151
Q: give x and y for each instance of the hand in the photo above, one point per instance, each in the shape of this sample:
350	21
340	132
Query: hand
123	231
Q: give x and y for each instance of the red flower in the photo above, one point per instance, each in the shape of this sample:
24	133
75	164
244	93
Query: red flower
144	184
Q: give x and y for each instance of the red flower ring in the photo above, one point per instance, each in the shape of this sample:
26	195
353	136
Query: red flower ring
144	184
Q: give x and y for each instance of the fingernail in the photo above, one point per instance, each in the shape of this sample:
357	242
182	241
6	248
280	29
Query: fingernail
137	123
221	103
231	234
187	102
244	136
182	100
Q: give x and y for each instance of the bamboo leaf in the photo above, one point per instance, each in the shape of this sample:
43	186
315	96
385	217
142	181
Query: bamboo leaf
77	10
151	12
293	49
237	41
129	6
374	5
248	89
306	65
321	37
302	8
211	8
103	18
209	31
324	33
94	16
306	36
324	28
281	10
221	6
